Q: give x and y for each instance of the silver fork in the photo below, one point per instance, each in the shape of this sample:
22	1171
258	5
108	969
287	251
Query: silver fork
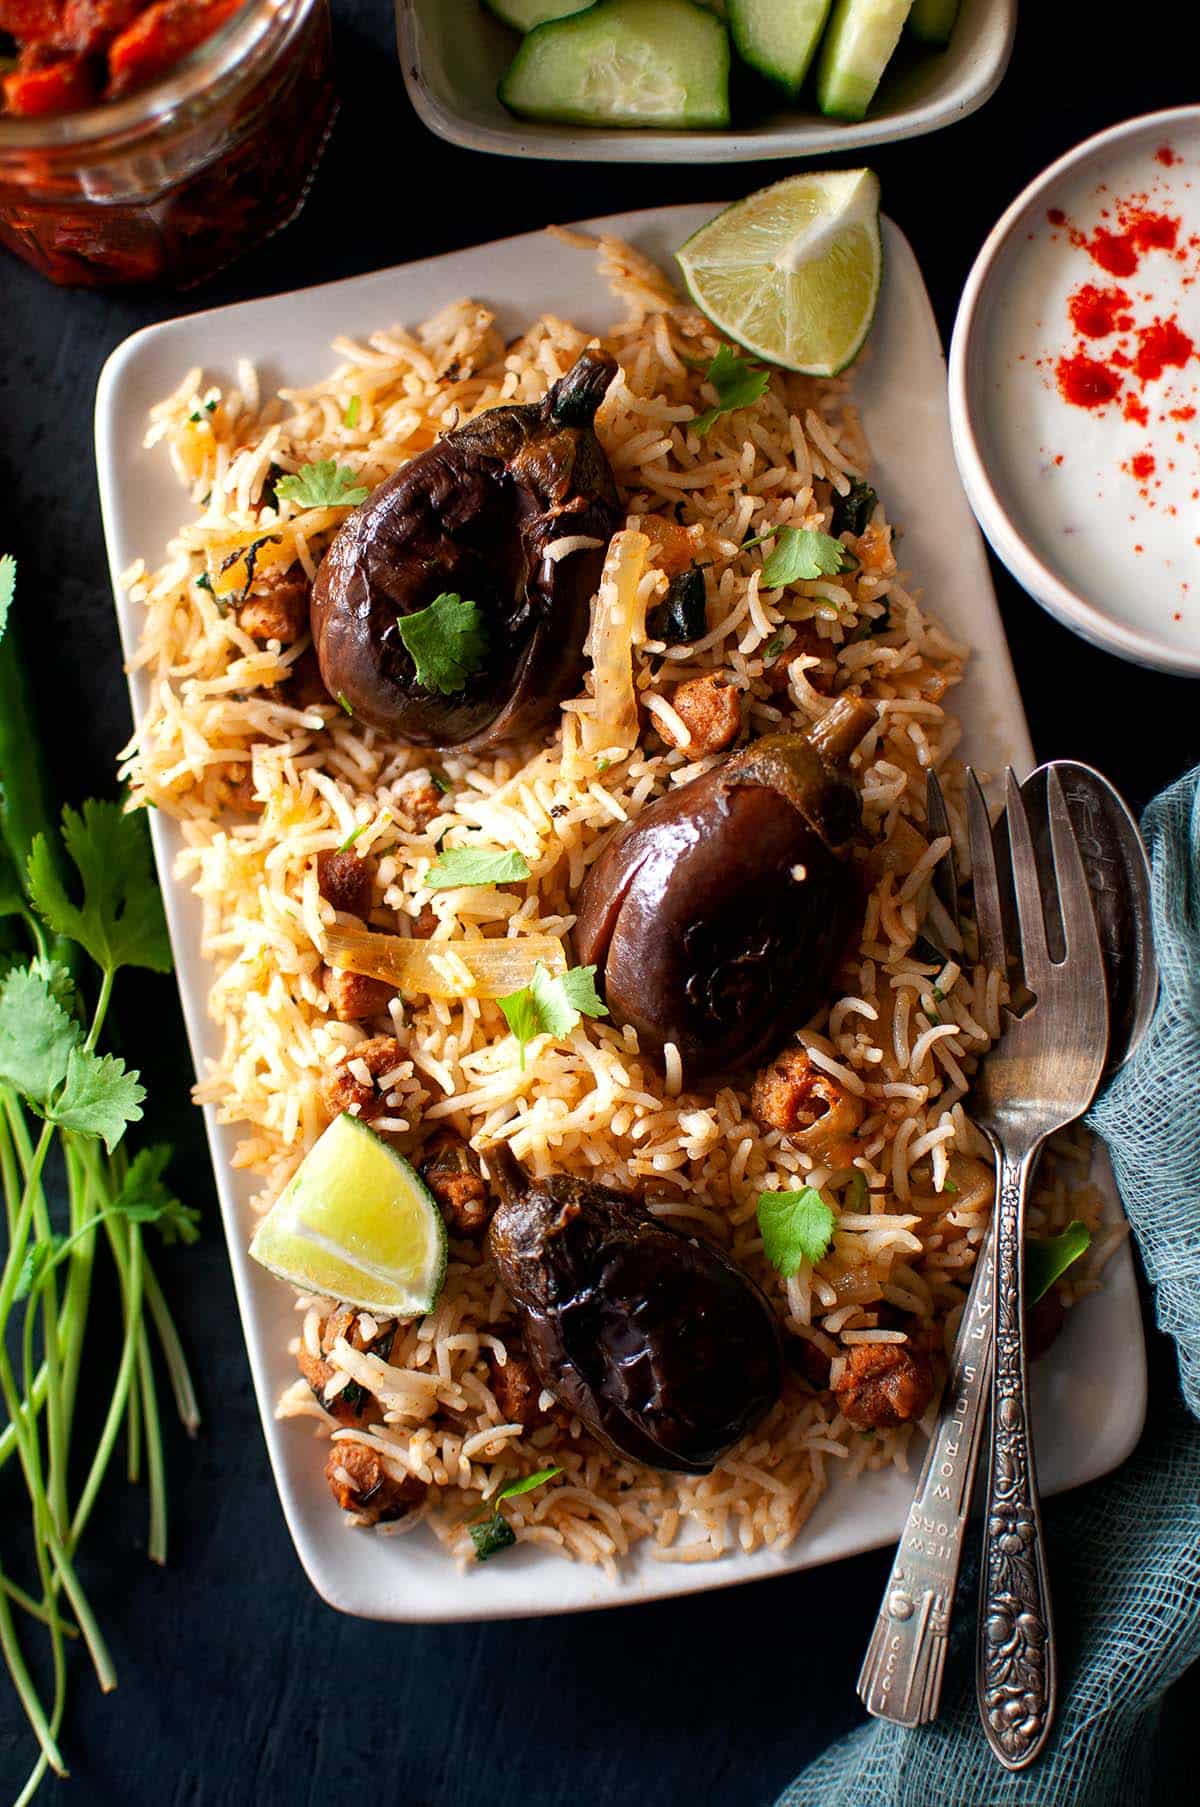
901	1676
1040	1076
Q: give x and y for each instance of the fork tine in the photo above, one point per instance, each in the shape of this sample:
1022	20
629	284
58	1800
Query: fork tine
983	877
1035	957
945	873
1080	935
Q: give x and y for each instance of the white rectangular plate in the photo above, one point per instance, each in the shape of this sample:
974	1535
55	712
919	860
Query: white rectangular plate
453	53
1089	1409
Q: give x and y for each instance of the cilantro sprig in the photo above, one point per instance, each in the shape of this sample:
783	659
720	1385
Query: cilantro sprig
446	642
81	904
551	1006
475	866
738	383
802	554
796	1227
325	484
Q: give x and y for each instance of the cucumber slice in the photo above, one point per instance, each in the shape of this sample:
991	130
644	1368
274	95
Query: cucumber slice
524	15
856	50
778	37
624	63
932	21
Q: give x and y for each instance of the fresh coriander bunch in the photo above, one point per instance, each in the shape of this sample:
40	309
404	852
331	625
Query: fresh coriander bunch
77	905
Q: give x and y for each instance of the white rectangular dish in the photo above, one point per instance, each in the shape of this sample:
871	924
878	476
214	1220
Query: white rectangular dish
453	53
1089	1410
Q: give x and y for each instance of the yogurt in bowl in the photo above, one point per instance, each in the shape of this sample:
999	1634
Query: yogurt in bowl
1075	389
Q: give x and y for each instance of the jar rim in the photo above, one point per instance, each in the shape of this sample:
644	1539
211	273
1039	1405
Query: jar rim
232	50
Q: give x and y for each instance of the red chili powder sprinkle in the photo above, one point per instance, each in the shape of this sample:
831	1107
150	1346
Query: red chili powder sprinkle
1114	252
1120	252
1159	344
1085	383
1136	410
1097	312
1183	414
1056	216
1165	155
1142	465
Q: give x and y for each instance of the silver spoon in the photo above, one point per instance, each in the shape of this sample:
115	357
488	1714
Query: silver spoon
901	1677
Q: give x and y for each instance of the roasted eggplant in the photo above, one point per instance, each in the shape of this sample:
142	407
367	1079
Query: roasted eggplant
664	1348
716	917
475	518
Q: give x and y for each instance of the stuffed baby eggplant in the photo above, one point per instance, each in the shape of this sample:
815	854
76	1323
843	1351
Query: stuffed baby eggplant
451	608
716	917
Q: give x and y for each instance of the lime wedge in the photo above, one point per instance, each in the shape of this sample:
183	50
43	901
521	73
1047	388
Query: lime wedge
355	1223
793	271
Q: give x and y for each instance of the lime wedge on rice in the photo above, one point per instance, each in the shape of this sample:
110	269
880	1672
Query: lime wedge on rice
793	271
356	1223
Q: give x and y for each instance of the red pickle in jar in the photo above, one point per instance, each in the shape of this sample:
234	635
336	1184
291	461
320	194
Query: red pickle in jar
171	182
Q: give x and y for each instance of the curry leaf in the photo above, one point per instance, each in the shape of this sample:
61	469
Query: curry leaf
322	485
36	1035
796	1227
100	1097
800	555
527	1483
120	920
475	866
738	384
446	642
492	1536
852	512
1048	1260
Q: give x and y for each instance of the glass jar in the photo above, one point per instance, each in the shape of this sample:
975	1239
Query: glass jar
177	180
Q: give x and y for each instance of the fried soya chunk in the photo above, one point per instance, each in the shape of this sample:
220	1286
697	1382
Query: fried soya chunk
423	923
453	1172
352	1404
344	1090
418	804
711	711
354	996
361	1484
277	607
812	1109
344	880
883	1385
517	1390
805	641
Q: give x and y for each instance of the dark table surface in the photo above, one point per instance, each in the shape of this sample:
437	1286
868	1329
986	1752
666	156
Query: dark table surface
237	1684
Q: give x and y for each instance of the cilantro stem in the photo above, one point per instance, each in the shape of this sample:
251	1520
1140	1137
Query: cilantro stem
131	1287
37	1609
26	1691
177	1368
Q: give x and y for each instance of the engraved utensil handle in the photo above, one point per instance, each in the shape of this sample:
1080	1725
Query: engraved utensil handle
1016	1663
901	1677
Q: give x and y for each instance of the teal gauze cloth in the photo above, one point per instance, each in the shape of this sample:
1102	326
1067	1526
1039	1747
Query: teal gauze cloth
1125	1551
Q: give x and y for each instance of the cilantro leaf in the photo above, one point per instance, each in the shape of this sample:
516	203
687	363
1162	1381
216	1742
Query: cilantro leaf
322	485
475	866
36	1035
738	384
120	921
37	1257
492	1536
1048	1260
143	1198
527	1483
446	642
800	555
796	1227
99	1097
8	583
549	1006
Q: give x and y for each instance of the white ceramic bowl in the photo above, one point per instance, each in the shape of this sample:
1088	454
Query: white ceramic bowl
453	53
1092	508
